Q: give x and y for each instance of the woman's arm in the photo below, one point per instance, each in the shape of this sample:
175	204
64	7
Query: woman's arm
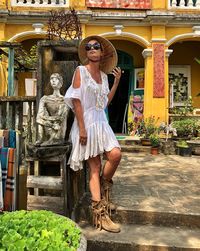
117	74
78	110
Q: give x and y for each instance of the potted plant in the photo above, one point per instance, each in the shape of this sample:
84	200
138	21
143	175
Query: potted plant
186	128
146	128
155	143
183	149
39	230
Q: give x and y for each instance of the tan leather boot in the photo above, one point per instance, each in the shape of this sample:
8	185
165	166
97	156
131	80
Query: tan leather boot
101	218
106	187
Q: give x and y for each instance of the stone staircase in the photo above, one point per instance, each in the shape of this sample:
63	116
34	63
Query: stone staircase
158	200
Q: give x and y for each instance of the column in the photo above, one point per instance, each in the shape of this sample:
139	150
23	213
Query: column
159	104
168	91
147	54
11	71
156	82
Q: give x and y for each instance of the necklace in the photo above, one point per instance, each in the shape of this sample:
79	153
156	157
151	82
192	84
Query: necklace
99	91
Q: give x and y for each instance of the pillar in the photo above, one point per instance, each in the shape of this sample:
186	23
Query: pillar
11	71
156	92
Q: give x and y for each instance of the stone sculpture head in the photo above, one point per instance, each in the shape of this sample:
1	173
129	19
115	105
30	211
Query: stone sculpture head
56	81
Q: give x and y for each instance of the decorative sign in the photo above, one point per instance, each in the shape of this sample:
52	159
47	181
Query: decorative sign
129	4
159	71
135	112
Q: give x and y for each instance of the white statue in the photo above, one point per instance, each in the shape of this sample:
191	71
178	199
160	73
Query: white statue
52	115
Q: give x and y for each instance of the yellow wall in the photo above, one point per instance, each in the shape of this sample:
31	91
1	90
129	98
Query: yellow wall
2	4
21	82
174	31
144	32
159	4
132	49
158	31
13	29
2	32
3	78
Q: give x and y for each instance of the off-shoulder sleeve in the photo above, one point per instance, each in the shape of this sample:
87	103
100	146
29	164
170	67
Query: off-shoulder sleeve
73	93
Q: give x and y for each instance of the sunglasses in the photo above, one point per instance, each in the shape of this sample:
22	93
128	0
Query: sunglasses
95	46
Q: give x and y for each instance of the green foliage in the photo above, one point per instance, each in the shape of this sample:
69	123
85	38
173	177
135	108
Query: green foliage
155	140
37	230
148	126
182	143
27	59
186	127
197	60
130	127
184	110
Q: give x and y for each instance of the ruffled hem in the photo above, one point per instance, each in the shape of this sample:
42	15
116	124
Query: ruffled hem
100	138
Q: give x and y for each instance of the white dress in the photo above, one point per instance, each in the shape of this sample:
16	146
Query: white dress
100	137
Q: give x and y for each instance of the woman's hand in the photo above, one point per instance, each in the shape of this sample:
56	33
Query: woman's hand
83	136
117	72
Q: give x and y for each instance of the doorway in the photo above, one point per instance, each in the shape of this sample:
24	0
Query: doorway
117	109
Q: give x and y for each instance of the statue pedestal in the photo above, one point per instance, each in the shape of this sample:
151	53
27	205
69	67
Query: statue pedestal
43	152
47	177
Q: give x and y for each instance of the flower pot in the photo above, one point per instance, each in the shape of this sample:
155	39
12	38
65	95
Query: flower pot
184	151
145	142
83	244
154	150
195	145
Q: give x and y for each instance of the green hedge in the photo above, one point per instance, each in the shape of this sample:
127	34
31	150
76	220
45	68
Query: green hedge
37	230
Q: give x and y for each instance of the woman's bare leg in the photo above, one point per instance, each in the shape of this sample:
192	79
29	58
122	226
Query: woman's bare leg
113	160
94	182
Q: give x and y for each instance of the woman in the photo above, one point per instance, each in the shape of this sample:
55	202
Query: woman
91	134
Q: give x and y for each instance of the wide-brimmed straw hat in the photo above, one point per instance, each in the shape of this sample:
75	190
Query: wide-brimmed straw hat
109	59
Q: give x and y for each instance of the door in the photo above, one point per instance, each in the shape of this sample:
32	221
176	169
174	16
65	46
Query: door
117	110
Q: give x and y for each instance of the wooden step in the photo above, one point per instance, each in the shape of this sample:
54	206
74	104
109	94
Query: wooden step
45	182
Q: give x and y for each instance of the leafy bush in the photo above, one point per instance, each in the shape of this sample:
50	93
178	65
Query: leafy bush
148	126
37	230
182	143
155	140
186	127
184	110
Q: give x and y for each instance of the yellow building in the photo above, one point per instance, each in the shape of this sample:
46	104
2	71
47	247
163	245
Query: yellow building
157	43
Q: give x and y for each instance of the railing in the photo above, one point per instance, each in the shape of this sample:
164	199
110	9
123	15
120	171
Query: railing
40	3
184	4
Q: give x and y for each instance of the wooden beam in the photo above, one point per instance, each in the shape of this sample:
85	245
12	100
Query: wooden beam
52	203
9	44
17	98
45	182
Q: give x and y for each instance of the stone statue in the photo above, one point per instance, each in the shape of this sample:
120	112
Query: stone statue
52	115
